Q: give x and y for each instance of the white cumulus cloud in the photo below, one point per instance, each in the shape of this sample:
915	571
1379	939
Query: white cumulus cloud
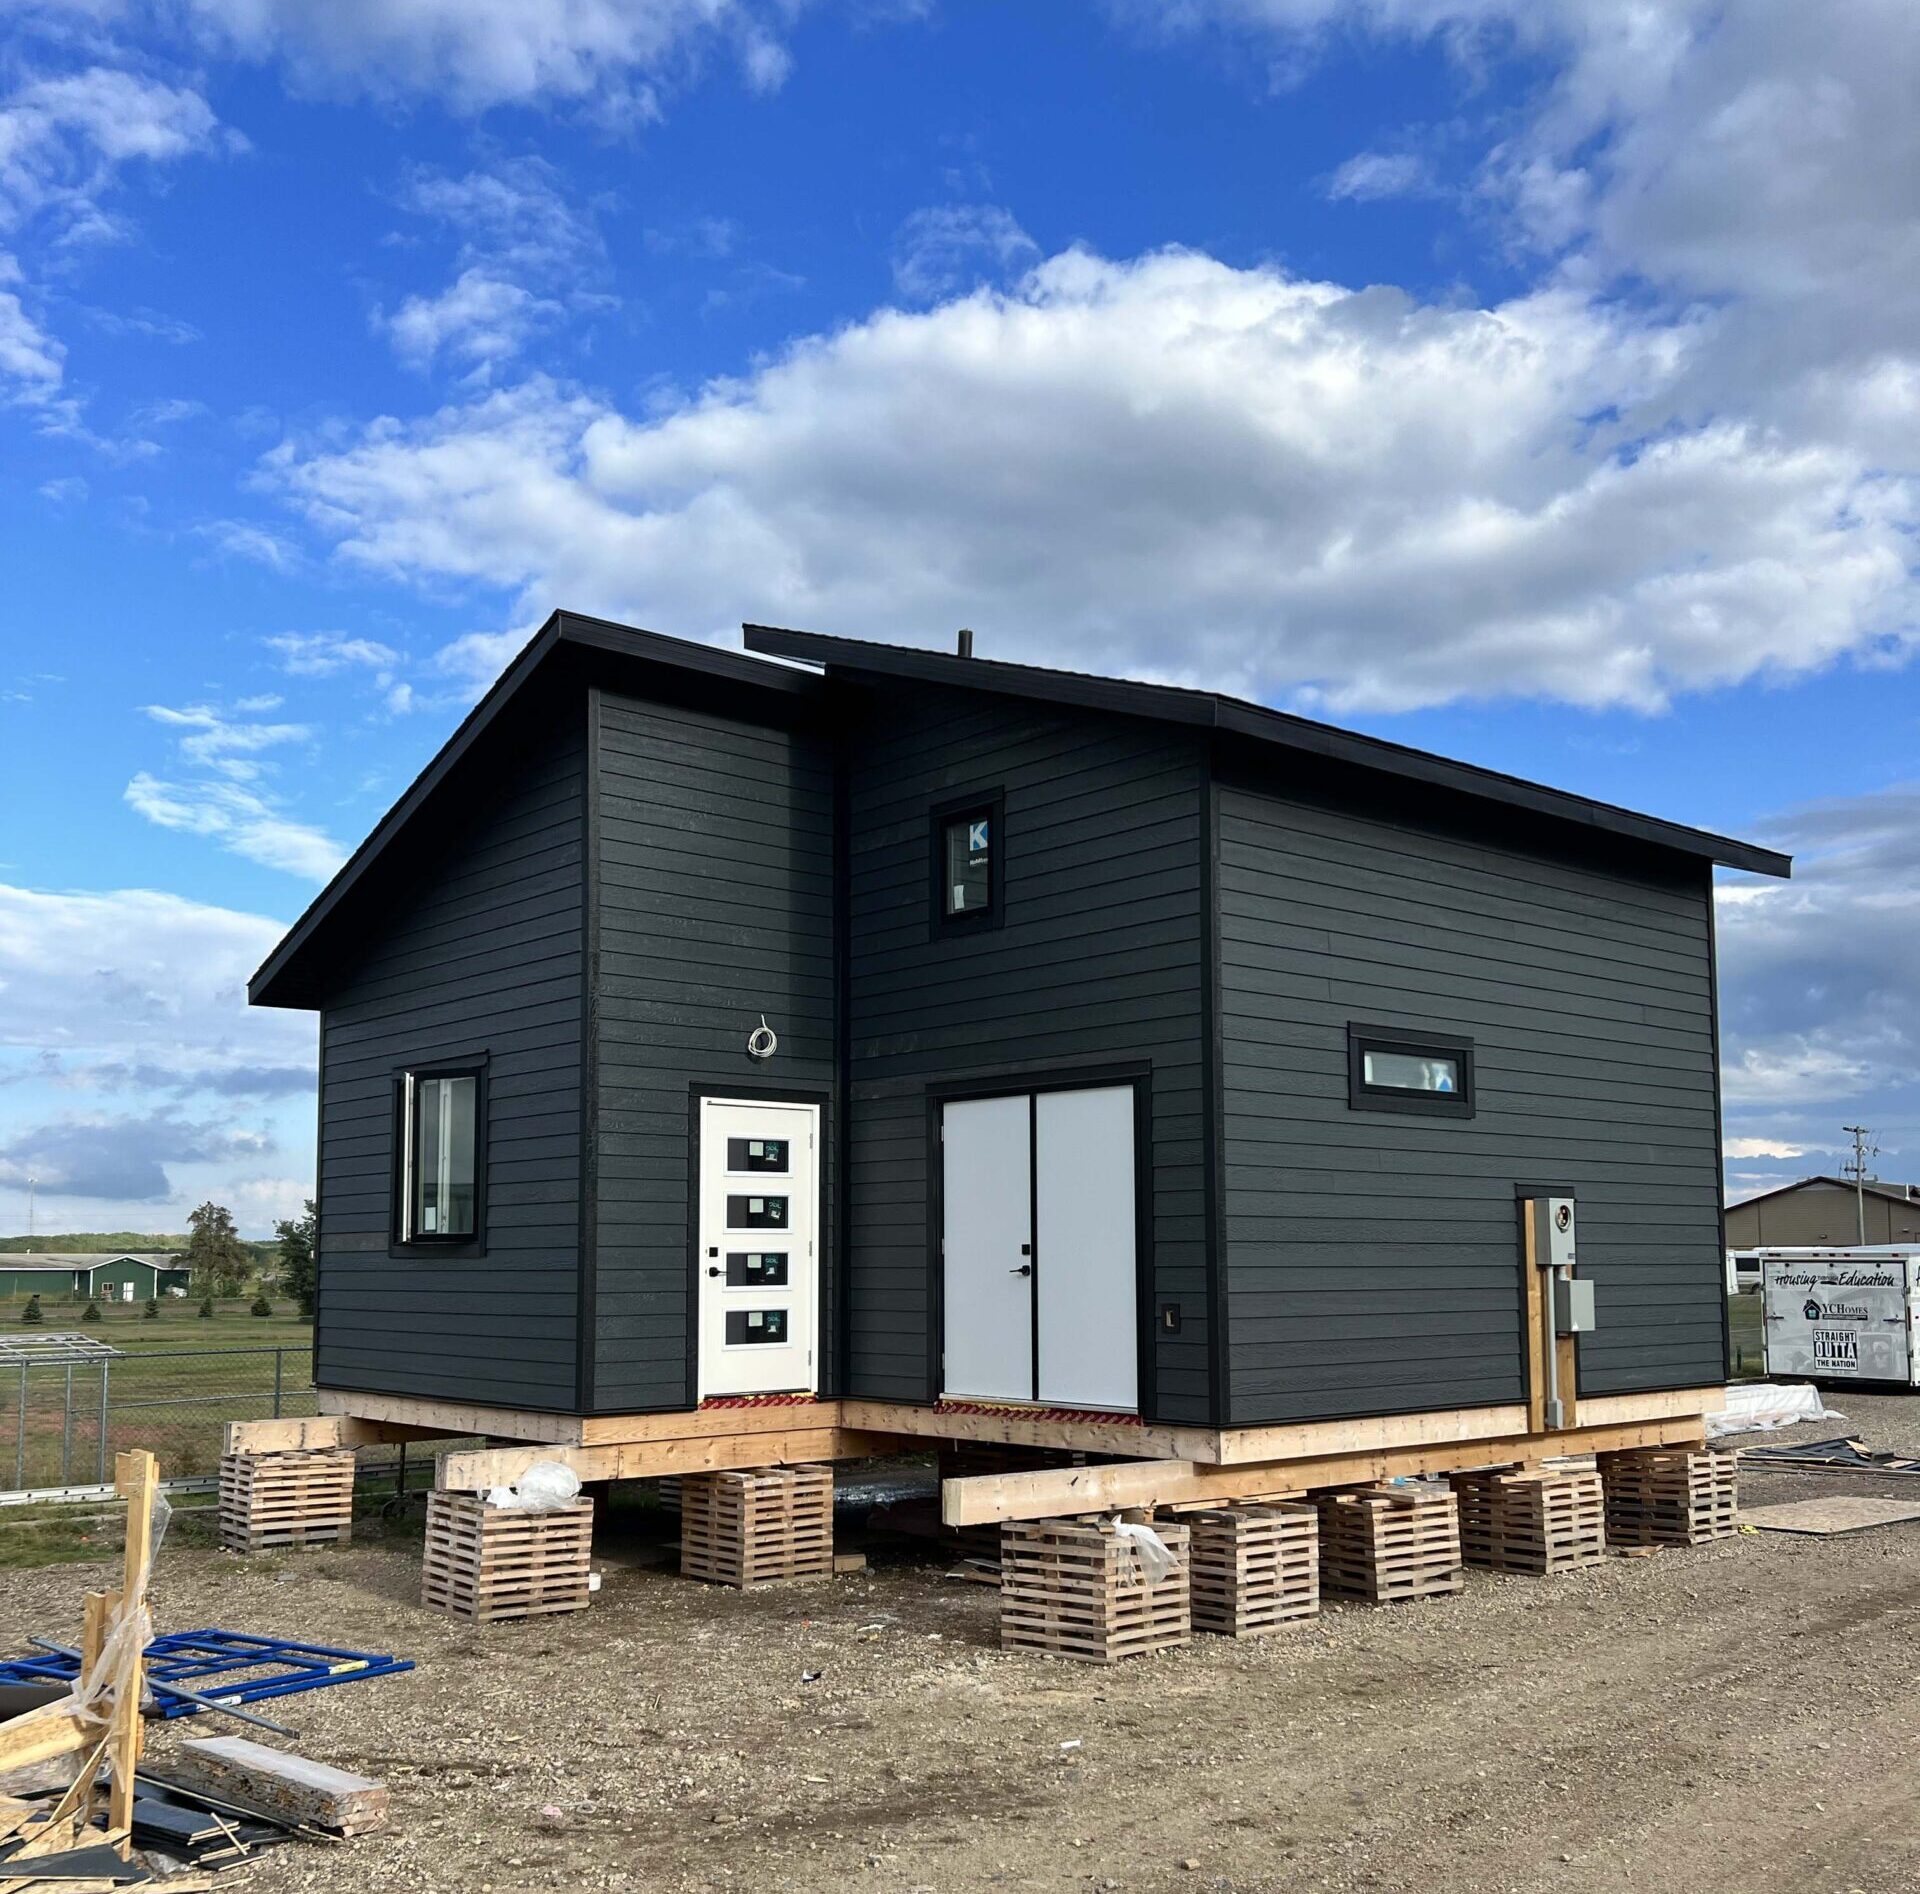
1172	467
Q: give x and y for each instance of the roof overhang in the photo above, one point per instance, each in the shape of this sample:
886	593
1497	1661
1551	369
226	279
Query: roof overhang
1207	710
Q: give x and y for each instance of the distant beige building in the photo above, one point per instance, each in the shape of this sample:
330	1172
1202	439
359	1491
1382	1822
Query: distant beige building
1823	1210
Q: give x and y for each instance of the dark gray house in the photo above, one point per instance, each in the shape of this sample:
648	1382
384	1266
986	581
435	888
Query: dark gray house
920	1027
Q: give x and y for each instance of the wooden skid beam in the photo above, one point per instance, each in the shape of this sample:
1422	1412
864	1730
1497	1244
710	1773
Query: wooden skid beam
1065	1491
324	1430
451	1419
476	1470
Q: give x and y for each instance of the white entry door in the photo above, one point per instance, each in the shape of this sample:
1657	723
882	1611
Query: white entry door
759	1243
1039	1263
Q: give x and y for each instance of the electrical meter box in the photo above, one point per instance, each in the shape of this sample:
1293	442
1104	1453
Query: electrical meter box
1560	1233
1572	1306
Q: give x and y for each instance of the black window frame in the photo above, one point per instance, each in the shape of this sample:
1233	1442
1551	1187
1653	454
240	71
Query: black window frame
990	803
1419	1045
447	1248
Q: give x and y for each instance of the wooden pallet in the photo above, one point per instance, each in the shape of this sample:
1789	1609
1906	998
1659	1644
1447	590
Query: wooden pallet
1657	1497
1075	1589
485	1563
1255	1568
270	1501
757	1528
1537	1520
1386	1544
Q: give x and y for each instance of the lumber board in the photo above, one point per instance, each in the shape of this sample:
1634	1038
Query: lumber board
451	1419
298	1435
477	1469
285	1785
1110	1486
42	1735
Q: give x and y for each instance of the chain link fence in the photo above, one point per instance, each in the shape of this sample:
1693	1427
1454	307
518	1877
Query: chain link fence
69	1419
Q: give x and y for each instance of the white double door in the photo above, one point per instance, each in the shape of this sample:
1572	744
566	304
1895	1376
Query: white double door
758	1255
1038	1249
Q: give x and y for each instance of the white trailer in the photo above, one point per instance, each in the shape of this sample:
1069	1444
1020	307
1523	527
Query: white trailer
1842	1314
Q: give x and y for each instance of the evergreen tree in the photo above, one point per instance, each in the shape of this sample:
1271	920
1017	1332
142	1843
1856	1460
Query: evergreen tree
261	1306
206	1309
31	1315
91	1313
298	1268
152	1313
214	1251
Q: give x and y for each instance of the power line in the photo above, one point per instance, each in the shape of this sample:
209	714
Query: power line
1857	1170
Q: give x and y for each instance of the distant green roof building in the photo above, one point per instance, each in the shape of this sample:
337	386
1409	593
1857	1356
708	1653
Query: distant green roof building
117	1276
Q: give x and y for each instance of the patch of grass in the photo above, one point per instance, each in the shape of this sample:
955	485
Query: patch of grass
56	1535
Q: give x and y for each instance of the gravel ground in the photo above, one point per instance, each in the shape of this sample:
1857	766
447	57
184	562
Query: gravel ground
1744	1716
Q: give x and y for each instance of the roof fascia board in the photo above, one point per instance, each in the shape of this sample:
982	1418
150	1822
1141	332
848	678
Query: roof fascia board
1169	703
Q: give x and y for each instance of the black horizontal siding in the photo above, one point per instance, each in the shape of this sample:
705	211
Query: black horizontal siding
480	955
1098	963
714	905
1371	1258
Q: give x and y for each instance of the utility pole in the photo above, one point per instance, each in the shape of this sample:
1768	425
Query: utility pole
1857	1170
30	1214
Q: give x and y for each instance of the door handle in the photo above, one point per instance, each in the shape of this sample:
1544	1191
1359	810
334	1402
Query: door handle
1025	1269
713	1272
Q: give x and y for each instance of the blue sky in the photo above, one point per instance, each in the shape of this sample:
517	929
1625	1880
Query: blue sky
1534	382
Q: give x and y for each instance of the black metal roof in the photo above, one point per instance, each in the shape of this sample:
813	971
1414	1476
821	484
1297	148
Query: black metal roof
600	642
1169	703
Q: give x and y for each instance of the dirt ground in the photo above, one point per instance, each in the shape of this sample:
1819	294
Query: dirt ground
1744	1716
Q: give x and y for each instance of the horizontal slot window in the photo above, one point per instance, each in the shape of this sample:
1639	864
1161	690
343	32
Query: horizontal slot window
1392	1069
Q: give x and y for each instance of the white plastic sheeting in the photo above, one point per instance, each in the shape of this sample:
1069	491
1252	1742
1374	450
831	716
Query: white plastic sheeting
546	1486
1755	1407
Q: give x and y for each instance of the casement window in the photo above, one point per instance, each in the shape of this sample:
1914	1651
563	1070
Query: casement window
440	1189
1392	1069
967	861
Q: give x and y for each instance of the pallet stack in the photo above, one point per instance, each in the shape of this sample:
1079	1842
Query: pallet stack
270	1501
1076	1588
1386	1544
485	1563
1662	1496
1255	1568
1538	1520
757	1528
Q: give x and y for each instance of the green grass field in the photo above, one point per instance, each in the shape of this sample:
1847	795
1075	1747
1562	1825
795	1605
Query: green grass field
180	1379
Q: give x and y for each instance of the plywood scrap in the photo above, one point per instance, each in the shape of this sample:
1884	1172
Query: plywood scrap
1825	1517
291	1787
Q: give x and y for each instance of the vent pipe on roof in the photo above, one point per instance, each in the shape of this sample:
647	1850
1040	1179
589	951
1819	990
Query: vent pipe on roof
964	643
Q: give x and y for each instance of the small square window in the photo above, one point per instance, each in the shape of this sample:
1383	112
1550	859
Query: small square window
442	1140
966	862
1389	1069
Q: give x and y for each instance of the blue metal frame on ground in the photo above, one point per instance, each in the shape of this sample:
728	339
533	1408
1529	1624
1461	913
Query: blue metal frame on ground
213	1664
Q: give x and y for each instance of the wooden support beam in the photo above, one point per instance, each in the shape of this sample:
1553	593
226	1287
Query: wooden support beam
136	1479
707	1423
1066	1491
324	1430
451	1419
473	1471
